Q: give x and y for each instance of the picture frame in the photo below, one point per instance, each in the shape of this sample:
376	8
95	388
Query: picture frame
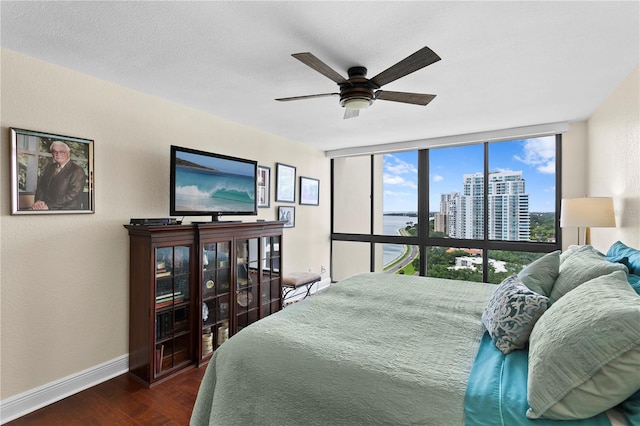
285	183
51	174
264	185
309	191
287	214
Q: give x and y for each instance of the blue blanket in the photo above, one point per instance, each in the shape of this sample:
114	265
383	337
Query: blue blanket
497	391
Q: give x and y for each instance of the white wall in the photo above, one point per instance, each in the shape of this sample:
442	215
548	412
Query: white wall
64	278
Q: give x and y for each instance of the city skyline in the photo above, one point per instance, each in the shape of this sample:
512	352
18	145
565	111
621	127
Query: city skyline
534	157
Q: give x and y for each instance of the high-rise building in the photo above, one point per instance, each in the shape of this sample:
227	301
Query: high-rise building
508	207
441	219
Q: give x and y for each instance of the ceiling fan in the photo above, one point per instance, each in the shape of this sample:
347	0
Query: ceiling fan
358	92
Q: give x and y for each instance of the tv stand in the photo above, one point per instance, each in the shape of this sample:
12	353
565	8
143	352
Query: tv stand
194	286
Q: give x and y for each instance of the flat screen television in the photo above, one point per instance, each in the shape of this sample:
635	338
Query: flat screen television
209	184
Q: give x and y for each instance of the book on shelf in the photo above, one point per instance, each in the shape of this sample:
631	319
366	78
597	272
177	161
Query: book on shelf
159	356
169	302
168	296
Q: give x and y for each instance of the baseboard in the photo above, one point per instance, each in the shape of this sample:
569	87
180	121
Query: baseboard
34	399
325	283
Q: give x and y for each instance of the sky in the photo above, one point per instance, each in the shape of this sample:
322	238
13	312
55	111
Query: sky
534	157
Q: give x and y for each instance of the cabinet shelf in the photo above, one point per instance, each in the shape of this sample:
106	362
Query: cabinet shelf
172	337
172	305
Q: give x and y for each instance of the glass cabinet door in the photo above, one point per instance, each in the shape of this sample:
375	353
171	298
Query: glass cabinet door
247	282
172	302
270	291
216	278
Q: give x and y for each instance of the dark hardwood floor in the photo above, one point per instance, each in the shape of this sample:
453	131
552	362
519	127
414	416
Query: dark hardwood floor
123	401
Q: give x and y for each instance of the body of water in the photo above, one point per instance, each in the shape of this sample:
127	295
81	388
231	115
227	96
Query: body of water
391	224
207	190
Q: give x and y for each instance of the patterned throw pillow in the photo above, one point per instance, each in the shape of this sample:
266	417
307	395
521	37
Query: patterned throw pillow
511	314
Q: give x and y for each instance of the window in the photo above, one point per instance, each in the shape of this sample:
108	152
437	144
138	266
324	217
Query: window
476	212
456	191
455	263
522	184
399	191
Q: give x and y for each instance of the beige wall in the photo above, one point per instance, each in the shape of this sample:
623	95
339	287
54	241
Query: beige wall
614	161
574	172
352	213
64	278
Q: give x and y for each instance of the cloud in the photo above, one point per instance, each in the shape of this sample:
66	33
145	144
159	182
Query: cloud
397	181
503	170
394	165
437	178
399	173
397	194
539	153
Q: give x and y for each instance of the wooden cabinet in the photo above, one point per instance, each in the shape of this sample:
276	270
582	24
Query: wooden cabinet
192	287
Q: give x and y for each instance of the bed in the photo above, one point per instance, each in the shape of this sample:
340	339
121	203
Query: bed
400	350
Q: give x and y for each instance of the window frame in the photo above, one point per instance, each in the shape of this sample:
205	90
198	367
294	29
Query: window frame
423	241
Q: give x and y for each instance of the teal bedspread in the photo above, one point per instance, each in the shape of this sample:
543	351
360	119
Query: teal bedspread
373	349
497	391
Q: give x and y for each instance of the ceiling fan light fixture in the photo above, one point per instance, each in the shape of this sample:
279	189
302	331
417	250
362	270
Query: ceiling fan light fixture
357	92
357	103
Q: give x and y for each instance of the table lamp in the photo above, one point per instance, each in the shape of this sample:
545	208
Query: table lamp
586	212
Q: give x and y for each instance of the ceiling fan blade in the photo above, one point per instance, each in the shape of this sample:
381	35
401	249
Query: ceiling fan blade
418	60
312	61
350	113
405	97
296	98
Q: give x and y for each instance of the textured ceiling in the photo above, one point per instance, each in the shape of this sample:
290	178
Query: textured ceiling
504	64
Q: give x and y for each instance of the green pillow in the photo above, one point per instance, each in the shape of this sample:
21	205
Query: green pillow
540	275
572	249
578	267
584	352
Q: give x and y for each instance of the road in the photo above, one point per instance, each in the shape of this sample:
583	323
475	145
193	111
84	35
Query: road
407	258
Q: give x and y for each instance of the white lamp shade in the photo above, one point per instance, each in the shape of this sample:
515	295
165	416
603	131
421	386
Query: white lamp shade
594	212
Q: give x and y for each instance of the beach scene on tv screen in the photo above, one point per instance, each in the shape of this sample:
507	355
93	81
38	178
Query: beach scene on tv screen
204	184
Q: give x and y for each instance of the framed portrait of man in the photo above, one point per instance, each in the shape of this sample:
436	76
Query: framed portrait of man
51	174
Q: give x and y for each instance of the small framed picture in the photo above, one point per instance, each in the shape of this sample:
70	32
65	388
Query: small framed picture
285	183
309	191
264	184
50	174
287	214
